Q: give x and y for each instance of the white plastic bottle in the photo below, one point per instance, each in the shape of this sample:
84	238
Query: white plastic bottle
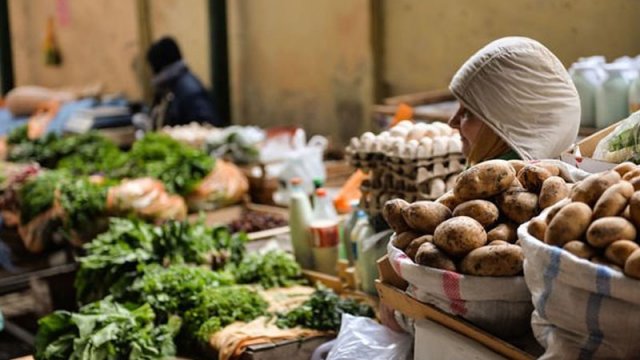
325	233
300	216
612	103
584	77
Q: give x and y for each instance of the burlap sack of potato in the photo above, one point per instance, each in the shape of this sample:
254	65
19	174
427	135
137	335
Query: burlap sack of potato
582	309
500	305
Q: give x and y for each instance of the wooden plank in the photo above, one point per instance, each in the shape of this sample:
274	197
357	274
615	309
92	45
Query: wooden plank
398	300
388	275
421	98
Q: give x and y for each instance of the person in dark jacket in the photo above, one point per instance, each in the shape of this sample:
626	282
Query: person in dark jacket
180	98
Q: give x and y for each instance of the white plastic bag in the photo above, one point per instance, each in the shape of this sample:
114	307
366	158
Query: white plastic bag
582	310
623	143
364	338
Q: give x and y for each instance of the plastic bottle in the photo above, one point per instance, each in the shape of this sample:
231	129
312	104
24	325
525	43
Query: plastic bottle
348	241
325	234
612	97
634	95
585	79
300	217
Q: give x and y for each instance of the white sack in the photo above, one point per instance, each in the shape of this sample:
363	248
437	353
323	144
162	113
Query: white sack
523	93
500	305
582	310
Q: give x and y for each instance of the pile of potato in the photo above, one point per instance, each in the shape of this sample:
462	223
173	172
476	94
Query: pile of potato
600	222
472	229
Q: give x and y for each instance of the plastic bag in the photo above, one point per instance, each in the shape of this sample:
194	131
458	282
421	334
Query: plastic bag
623	143
146	198
364	338
225	185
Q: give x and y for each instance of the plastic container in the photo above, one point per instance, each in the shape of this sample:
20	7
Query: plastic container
585	78
634	95
325	234
300	216
612	97
371	247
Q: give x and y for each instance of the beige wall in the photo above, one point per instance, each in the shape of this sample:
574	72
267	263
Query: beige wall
424	42
98	45
188	22
307	63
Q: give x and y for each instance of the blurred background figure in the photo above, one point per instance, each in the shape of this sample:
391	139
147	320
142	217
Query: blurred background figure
180	98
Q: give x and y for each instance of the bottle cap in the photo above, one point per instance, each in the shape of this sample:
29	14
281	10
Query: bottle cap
296	181
321	192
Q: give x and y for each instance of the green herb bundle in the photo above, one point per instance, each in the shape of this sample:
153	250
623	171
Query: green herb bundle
323	311
175	289
106	330
219	307
273	269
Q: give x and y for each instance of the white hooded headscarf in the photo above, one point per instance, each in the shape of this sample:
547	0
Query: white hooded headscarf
523	93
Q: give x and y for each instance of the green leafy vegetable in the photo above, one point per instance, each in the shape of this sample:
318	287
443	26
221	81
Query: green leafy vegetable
175	289
323	311
219	307
178	166
273	269
18	135
83	202
37	195
105	330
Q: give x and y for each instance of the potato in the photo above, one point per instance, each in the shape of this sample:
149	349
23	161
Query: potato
632	266
570	223
507	232
485	212
537	228
589	190
580	249
635	182
626	213
624	167
532	177
516	184
392	214
619	251
449	200
412	249
551	168
554	210
459	235
634	208
518	205
429	255
633	173
602	261
497	242
402	240
425	216
500	260
606	230
613	200
553	190
517	165
484	180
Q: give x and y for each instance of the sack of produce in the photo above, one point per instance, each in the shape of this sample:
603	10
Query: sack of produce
623	143
225	185
459	253
583	269
147	198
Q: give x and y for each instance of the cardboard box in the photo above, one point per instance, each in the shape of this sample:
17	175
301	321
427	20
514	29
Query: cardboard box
580	154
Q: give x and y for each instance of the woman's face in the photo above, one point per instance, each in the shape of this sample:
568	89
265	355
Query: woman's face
468	125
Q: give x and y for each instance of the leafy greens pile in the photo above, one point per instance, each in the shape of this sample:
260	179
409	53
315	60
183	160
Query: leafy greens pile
112	261
323	311
276	268
178	166
106	330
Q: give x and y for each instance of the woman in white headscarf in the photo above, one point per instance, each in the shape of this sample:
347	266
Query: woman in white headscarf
517	101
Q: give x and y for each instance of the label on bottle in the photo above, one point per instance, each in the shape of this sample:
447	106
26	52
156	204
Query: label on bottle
325	233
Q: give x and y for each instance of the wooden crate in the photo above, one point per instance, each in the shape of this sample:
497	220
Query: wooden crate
226	215
437	105
391	291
